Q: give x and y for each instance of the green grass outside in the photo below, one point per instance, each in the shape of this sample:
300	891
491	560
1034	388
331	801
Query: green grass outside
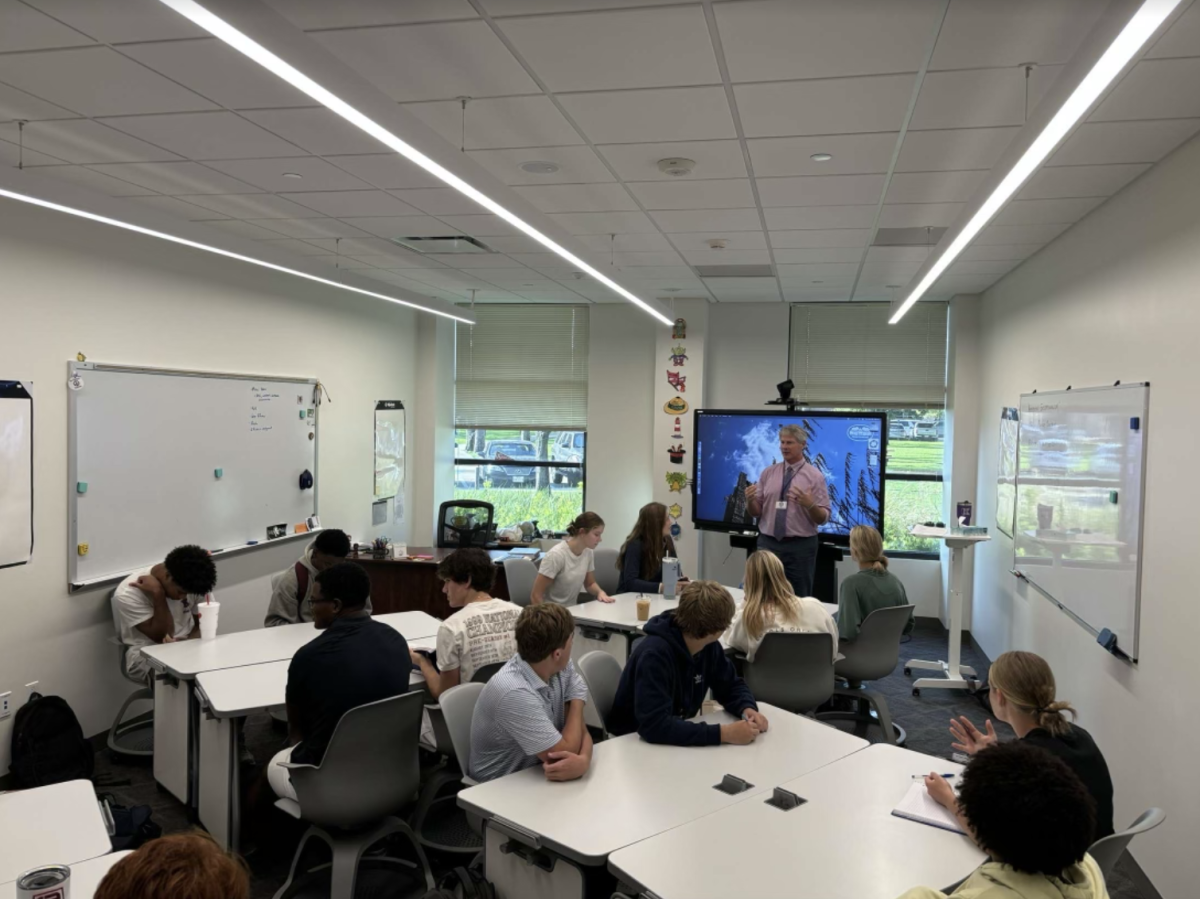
550	508
915	456
908	503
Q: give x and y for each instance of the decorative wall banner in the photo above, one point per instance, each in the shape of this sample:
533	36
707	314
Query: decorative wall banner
676	454
676	406
676	380
675	510
677	434
678	355
676	481
679	332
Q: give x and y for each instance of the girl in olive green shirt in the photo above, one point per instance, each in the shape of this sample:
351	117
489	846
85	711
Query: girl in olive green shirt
873	587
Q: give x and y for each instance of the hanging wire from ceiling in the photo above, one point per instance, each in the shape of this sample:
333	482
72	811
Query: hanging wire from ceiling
462	142
21	143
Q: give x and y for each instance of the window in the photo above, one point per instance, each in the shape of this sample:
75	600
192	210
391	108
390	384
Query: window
520	412
846	355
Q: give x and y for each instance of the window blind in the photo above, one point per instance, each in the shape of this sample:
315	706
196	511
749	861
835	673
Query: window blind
846	354
522	367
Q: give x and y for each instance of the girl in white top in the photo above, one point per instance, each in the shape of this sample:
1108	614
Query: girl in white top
569	568
770	608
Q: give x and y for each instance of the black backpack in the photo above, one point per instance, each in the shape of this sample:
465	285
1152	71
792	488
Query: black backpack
48	745
463	883
131	826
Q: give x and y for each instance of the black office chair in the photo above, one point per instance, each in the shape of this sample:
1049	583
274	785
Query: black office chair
792	671
465	522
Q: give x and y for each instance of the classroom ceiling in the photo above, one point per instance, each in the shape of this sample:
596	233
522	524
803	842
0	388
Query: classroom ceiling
128	98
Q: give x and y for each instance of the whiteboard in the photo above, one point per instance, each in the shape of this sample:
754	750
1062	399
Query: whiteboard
16	473
160	458
1081	461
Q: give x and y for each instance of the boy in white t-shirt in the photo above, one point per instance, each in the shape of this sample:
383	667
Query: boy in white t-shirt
481	632
158	604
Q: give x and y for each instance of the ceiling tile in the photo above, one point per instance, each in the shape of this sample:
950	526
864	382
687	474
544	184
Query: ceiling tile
15	104
251	206
883	273
824	190
83	141
853	154
339	203
727	257
438	201
640	116
92	180
832	237
626	243
934	187
247	230
878	256
389	262
665	257
189	212
998	267
955	284
990	253
401	226
1007	235
663	273
944	151
311	228
483	225
815	217
499	123
1182	38
831	273
1040	212
752	297
979	33
815	295
319	131
96	81
709	220
23	28
205	135
1097	143
268	174
215	70
300	247
1079	181
604	222
819	254
115	21
681	194
775	40
479	263
310	15
385	171
175	178
517	274
513	243
835	106
576	165
977	98
440	61
919	215
630	48
735	241
713	158
1155	89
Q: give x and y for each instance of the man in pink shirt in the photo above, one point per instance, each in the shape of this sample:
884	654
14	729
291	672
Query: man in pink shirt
791	502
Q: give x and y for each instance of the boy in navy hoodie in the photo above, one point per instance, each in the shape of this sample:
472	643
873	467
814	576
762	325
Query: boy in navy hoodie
666	678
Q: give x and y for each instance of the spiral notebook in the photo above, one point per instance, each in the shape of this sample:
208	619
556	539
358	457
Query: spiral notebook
918	805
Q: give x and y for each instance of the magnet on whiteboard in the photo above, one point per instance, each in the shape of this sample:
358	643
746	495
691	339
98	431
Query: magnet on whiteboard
81	487
218	472
1135	424
302	413
83	549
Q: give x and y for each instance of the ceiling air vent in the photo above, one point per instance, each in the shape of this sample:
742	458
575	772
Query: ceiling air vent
454	243
734	271
908	237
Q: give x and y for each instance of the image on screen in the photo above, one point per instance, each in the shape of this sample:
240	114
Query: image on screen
733	448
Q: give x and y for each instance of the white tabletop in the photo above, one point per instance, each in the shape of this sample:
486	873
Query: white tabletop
55	825
234	692
188	658
621	614
85	876
634	790
844	843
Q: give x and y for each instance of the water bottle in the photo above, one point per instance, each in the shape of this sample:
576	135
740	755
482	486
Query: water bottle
670	576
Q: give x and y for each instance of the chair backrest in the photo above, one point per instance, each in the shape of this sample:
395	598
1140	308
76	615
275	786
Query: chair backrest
484	674
370	770
607	575
1108	850
520	575
875	652
792	671
602	673
458	707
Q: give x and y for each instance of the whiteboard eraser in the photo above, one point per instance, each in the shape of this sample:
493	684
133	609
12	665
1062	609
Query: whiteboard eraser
218	472
81	487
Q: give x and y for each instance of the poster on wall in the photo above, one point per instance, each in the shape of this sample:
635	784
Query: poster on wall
1006	476
16	473
389	450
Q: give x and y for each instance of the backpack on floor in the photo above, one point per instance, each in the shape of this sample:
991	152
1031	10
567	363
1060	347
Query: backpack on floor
48	746
464	883
131	826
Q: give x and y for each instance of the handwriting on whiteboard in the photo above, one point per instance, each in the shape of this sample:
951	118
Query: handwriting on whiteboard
261	399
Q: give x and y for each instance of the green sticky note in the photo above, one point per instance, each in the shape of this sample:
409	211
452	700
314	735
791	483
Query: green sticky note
81	487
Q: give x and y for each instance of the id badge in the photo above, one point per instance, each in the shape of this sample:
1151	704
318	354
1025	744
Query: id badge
781	505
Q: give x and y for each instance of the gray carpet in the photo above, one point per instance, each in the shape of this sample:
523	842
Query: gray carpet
925	718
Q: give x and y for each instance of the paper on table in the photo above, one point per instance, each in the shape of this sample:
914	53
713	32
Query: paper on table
918	805
16	473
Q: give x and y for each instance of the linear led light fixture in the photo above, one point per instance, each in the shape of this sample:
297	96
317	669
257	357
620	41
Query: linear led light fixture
162	235
1140	27
218	27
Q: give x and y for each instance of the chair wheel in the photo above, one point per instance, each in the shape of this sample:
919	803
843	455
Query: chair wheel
916	691
908	672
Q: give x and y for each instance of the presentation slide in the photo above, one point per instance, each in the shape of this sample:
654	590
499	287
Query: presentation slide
732	449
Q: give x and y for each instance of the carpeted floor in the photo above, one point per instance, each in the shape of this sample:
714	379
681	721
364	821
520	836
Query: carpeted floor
926	719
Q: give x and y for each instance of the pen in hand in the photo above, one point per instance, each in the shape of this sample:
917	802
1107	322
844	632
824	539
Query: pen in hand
921	777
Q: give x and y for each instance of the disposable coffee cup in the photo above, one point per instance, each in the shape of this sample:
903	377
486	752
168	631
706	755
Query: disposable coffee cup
643	608
399	550
209	612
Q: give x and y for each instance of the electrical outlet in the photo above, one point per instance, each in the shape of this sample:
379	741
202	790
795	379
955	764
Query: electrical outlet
5	704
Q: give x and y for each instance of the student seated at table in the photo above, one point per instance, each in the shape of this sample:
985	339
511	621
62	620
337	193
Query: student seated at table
180	866
356	660
292	589
1034	818
872	587
569	568
771	608
678	662
158	604
531	711
1022	696
640	559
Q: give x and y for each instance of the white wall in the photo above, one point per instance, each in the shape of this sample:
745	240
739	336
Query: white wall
432	437
1115	298
72	286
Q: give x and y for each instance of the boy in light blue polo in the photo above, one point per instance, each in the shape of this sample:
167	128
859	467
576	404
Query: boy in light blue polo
531	711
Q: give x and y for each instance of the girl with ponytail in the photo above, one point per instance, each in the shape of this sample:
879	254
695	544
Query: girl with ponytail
873	587
569	568
1022	694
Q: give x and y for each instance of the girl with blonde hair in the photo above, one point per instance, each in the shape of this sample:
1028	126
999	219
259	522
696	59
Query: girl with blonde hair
872	587
1022	693
771	607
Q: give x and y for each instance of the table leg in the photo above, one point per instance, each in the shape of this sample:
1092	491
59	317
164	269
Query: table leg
952	671
218	798
172	736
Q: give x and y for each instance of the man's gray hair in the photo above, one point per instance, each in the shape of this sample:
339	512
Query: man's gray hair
795	432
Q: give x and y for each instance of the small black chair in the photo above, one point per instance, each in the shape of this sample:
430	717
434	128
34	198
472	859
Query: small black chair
465	522
792	671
